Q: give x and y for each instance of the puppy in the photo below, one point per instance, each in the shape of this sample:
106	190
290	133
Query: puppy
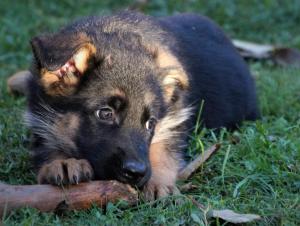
115	97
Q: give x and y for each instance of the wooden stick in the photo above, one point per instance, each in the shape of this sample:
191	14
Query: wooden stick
52	198
187	171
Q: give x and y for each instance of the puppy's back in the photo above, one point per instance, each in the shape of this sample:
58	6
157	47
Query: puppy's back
217	73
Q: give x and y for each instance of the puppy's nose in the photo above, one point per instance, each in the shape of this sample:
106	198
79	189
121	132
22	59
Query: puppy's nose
134	171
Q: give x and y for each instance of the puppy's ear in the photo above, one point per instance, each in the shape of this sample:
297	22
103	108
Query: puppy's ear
173	76
62	59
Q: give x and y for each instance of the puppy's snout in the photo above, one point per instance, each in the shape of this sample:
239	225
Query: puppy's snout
134	170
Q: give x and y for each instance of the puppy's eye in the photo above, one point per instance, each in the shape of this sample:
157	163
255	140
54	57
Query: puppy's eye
105	114
150	124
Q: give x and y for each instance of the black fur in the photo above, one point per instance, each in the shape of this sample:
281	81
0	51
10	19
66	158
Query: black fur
218	74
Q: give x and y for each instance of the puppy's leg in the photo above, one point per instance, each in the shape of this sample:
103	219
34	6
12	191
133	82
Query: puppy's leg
65	171
164	167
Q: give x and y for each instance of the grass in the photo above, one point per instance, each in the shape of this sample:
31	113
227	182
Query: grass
260	174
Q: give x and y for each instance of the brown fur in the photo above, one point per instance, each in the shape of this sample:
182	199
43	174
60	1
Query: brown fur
164	164
164	172
65	171
118	92
174	75
62	85
131	115
66	128
173	79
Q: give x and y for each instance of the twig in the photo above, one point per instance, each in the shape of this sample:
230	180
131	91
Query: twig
52	198
186	172
187	187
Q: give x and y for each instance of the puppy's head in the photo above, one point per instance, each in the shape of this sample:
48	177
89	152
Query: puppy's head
100	97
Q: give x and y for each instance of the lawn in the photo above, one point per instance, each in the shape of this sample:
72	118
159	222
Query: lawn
257	169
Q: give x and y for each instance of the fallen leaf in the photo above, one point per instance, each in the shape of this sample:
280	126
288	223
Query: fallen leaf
233	217
280	55
253	50
286	57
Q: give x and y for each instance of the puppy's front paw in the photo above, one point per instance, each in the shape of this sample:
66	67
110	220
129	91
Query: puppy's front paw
65	171
156	189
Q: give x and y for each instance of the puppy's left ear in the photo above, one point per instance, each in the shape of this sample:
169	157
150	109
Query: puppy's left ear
62	59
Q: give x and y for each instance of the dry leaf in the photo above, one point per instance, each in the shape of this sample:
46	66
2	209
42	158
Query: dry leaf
233	217
280	55
253	50
287	56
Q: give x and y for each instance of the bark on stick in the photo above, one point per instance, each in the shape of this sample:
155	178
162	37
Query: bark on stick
48	198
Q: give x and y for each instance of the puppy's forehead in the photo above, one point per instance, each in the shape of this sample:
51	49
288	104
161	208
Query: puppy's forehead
117	92
149	97
137	97
142	97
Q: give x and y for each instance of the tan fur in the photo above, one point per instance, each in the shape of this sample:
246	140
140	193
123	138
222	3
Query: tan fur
164	162
48	78
149	98
56	86
164	172
174	75
118	92
69	170
165	60
66	85
82	56
165	129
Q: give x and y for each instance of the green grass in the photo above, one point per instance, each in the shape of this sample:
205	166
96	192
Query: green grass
260	174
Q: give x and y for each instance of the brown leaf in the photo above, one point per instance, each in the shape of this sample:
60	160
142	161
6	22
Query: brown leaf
286	57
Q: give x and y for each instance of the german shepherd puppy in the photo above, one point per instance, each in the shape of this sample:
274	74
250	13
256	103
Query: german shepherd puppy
115	97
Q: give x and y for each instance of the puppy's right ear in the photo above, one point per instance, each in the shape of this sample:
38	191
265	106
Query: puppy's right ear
62	60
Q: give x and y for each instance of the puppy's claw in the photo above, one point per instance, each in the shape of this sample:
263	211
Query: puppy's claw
58	180
88	176
75	179
65	171
157	191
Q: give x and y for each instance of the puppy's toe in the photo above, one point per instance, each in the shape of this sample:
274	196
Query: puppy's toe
87	171
51	173
65	171
78	170
154	191
73	170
